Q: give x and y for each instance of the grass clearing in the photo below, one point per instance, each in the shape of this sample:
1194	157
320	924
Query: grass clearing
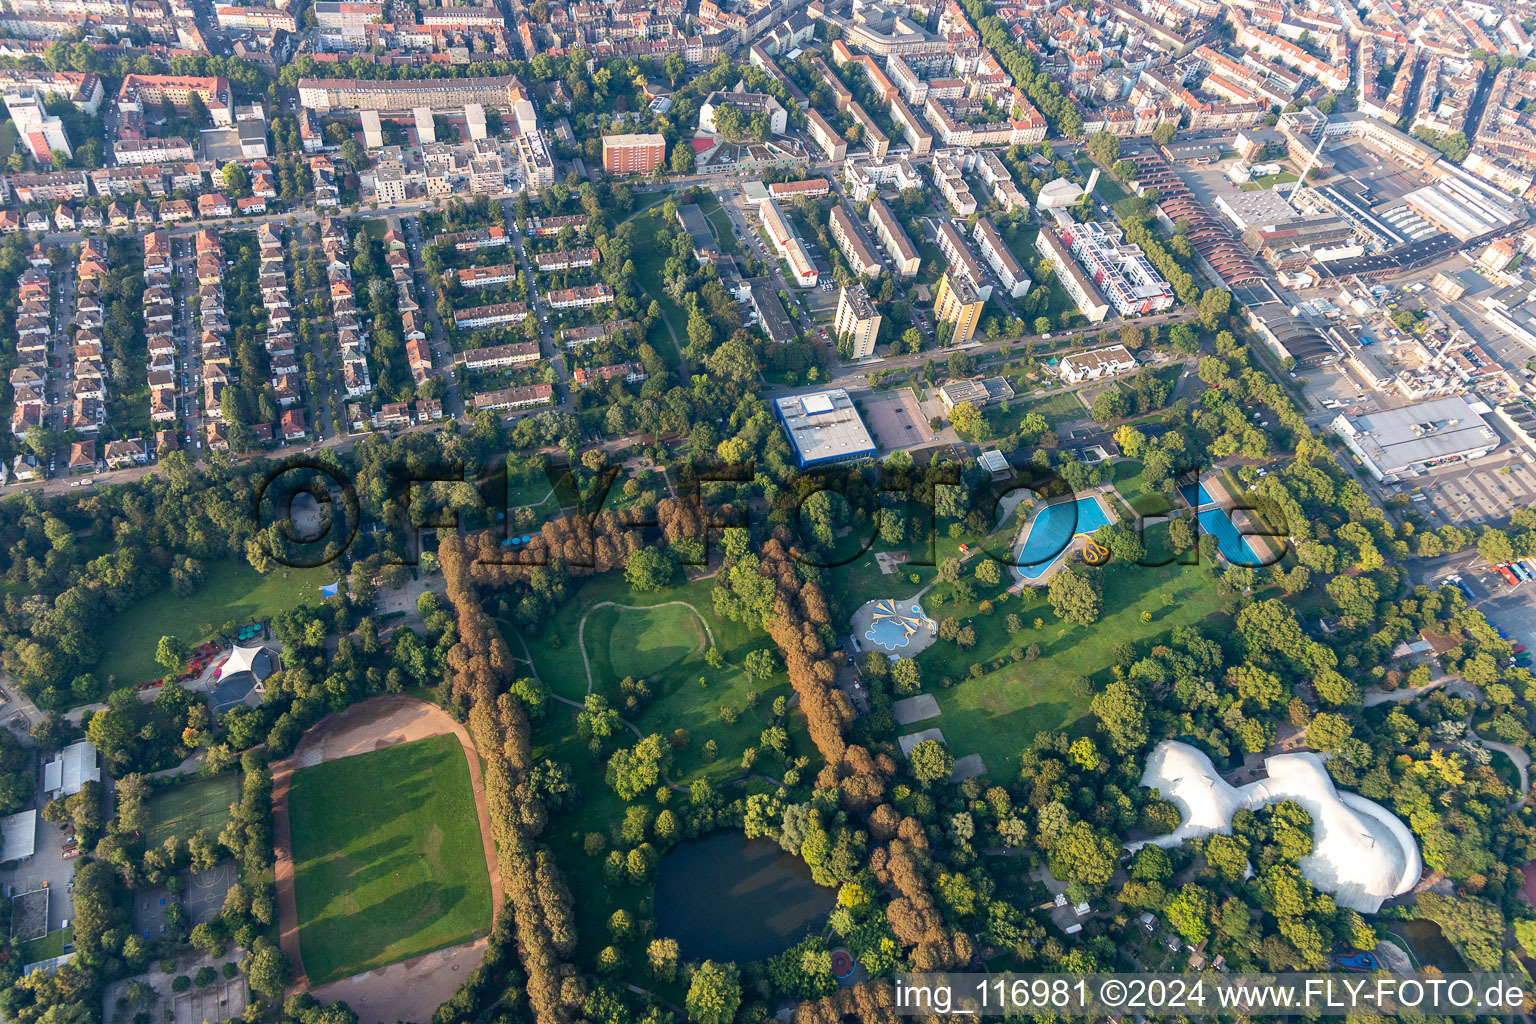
719	223
648	262
190	807
45	948
232	592
1133	488
642	642
674	672
997	714
388	862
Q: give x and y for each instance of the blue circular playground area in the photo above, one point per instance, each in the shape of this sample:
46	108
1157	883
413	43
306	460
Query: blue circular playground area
893	624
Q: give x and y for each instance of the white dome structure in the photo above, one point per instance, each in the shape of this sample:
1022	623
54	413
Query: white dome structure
1362	853
1185	777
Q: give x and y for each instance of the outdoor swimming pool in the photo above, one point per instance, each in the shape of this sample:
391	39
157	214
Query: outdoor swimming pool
1053	529
1216	521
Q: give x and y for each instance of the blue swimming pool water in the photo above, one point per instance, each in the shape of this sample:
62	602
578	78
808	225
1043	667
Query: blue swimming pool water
1053	529
1234	547
1189	491
892	633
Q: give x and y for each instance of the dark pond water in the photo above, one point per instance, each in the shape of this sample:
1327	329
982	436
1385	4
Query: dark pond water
1425	940
728	897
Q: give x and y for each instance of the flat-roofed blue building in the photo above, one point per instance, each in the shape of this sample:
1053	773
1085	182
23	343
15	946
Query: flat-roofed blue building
823	428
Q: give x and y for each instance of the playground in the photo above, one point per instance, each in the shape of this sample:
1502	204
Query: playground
895	627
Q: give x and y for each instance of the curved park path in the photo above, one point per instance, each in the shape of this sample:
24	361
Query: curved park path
411	989
527	659
581	629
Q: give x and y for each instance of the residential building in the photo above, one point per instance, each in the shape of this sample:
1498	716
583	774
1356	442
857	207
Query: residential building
1099	363
904	257
1084	295
498	315
522	397
633	154
856	325
1120	269
958	303
499	357
1001	258
787	244
584	297
961	260
861	260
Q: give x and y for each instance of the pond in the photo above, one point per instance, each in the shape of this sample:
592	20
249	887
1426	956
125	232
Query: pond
1425	941
728	897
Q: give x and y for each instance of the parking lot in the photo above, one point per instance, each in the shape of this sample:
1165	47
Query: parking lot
47	866
1514	611
894	419
1473	495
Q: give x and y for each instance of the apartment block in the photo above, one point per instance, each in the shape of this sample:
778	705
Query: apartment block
1071	277
961	260
1000	258
958	303
904	257
633	154
857	322
845	232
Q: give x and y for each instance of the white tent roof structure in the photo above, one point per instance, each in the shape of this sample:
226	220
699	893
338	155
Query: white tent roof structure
1362	853
255	660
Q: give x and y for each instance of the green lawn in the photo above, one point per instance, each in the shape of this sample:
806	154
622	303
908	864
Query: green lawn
231	592
642	642
45	948
388	862
997	714
1278	178
648	264
1115	197
1131	486
1064	407
720	223
530	487
191	807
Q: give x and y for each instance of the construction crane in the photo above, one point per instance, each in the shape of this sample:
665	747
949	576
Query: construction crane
1311	162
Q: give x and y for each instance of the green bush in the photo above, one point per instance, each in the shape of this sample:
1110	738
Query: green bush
230	969
181	983
205	976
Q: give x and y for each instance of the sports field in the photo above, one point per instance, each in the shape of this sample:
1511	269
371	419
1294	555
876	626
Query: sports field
190	807
387	857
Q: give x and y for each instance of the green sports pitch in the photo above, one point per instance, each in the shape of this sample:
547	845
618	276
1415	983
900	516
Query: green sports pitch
190	807
388	862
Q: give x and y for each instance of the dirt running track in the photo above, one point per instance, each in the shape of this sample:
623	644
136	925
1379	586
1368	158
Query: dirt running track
412	989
